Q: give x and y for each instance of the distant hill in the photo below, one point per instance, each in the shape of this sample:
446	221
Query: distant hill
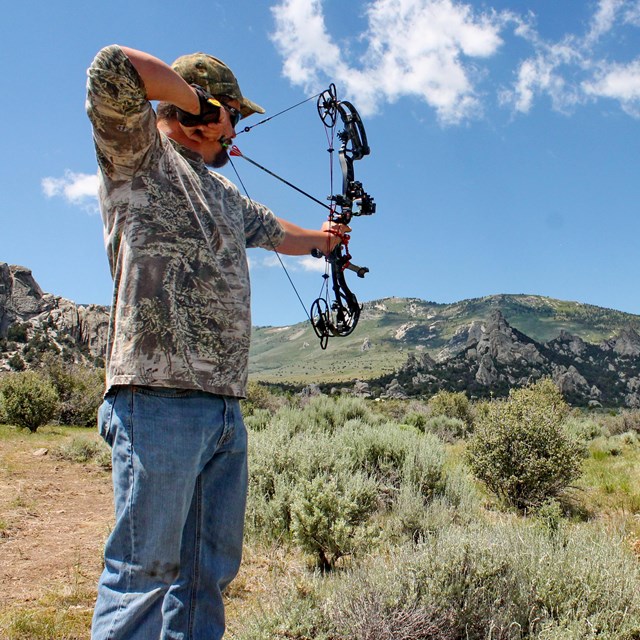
391	328
402	346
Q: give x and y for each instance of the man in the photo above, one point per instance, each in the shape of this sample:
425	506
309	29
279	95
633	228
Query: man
175	234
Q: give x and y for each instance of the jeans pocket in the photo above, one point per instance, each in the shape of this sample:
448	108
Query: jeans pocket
105	415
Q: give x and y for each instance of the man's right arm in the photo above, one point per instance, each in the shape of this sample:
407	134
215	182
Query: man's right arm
161	82
121	81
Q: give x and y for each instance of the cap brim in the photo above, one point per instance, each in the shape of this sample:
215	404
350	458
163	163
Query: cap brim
247	107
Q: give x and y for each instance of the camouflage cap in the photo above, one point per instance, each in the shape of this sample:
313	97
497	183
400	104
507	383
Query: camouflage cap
214	76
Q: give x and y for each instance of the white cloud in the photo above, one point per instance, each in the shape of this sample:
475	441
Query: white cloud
632	13
543	74
292	263
422	48
619	82
569	71
77	188
603	19
439	51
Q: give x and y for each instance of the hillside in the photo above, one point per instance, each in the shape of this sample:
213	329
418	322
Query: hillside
392	328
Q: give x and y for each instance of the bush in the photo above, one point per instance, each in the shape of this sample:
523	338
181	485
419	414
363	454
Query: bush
16	362
259	398
29	399
82	450
321	474
18	332
451	405
447	429
623	422
80	389
520	450
330	514
508	580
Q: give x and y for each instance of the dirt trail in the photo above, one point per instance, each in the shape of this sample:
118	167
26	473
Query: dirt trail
55	516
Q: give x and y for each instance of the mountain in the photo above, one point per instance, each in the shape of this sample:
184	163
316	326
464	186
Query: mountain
402	346
391	328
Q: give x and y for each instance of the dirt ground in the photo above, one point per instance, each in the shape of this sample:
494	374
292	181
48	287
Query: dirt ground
54	518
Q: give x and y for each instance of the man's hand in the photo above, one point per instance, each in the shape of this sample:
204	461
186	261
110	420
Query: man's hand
298	241
209	112
335	235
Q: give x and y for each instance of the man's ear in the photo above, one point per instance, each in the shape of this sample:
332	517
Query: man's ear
193	133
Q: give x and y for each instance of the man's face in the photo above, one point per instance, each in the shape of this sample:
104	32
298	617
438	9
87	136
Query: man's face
215	137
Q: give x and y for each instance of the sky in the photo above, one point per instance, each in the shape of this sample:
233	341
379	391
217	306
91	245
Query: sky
504	139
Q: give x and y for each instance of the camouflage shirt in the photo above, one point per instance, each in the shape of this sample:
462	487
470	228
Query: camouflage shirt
176	235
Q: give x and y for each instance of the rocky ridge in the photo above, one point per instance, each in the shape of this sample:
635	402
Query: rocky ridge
33	322
466	346
488	358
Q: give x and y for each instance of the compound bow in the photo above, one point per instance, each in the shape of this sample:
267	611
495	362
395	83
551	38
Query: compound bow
336	311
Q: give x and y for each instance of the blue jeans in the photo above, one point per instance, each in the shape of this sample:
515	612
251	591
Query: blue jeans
180	483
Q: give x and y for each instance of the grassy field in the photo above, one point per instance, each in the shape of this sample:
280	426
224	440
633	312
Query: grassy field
56	512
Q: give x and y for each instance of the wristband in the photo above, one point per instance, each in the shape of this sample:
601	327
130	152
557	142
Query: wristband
209	110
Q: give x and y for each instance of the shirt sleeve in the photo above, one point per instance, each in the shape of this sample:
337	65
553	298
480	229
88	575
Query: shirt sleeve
124	123
261	226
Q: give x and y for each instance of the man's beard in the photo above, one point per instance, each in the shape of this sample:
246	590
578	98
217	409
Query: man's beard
219	160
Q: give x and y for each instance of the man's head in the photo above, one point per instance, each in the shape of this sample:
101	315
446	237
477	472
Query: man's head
209	139
214	76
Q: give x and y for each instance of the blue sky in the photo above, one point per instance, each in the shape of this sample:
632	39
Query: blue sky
504	139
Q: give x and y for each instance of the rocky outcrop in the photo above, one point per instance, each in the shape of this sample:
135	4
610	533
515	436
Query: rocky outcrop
394	390
80	331
504	345
571	382
626	343
489	358
418	361
21	298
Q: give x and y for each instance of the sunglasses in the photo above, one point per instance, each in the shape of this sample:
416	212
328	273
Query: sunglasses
234	114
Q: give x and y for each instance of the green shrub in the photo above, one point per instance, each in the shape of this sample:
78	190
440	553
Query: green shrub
29	399
513	580
80	389
258	419
584	428
16	362
423	467
626	420
520	450
377	450
330	515
261	398
447	429
452	405
18	332
82	450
